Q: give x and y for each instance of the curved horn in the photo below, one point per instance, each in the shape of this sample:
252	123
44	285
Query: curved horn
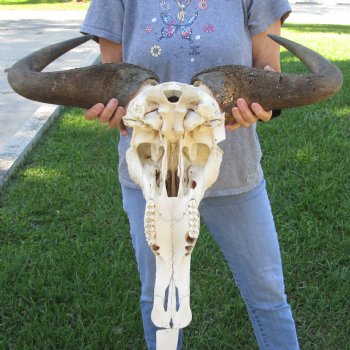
273	90
82	87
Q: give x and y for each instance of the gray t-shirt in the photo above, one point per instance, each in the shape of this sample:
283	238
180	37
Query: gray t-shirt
213	32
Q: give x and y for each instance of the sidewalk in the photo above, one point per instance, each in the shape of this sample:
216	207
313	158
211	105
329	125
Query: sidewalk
327	13
21	32
18	38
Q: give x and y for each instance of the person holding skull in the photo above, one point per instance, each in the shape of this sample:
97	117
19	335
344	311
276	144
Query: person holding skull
176	39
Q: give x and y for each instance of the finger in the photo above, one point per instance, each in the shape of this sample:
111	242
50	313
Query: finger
232	127
122	128
116	118
94	111
109	110
269	69
239	118
117	121
244	115
261	113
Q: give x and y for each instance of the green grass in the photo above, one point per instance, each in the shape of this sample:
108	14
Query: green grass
67	274
43	5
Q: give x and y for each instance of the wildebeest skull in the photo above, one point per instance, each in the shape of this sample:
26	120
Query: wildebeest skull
173	154
174	158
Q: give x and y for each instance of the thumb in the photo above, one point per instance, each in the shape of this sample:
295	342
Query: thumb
269	68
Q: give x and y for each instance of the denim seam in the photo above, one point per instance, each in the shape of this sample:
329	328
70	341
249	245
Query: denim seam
254	314
262	332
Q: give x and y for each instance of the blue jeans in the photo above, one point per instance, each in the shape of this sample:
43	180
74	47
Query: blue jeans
244	228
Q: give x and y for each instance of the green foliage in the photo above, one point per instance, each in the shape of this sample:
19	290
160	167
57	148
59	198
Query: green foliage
67	272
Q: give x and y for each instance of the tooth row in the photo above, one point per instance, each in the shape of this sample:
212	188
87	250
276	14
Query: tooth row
193	215
150	222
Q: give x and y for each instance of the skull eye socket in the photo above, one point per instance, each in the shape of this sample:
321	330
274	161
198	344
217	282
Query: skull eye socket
198	155
144	151
148	153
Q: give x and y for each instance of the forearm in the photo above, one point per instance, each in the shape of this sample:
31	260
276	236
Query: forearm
110	51
265	51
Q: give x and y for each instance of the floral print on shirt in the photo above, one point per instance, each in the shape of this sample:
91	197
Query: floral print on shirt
173	25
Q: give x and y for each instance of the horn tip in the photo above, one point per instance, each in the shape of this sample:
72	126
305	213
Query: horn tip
278	39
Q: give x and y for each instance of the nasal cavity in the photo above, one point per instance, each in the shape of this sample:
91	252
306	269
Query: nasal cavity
173	96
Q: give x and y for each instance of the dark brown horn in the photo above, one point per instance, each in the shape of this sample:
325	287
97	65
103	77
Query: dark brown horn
82	87
273	90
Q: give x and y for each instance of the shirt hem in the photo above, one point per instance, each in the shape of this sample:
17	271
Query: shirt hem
207	194
100	33
281	14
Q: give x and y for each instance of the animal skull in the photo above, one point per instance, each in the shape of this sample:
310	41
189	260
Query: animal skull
174	158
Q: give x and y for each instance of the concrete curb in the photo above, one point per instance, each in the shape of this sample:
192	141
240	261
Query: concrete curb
15	151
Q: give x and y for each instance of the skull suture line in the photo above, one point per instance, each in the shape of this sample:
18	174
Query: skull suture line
174	158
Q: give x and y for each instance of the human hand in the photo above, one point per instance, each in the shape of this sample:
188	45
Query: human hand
245	116
111	114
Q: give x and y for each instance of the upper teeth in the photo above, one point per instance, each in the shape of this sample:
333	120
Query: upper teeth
194	219
150	222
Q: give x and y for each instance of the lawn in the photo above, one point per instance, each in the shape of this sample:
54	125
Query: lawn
43	5
68	279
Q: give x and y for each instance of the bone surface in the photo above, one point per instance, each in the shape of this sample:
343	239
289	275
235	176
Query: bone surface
174	158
